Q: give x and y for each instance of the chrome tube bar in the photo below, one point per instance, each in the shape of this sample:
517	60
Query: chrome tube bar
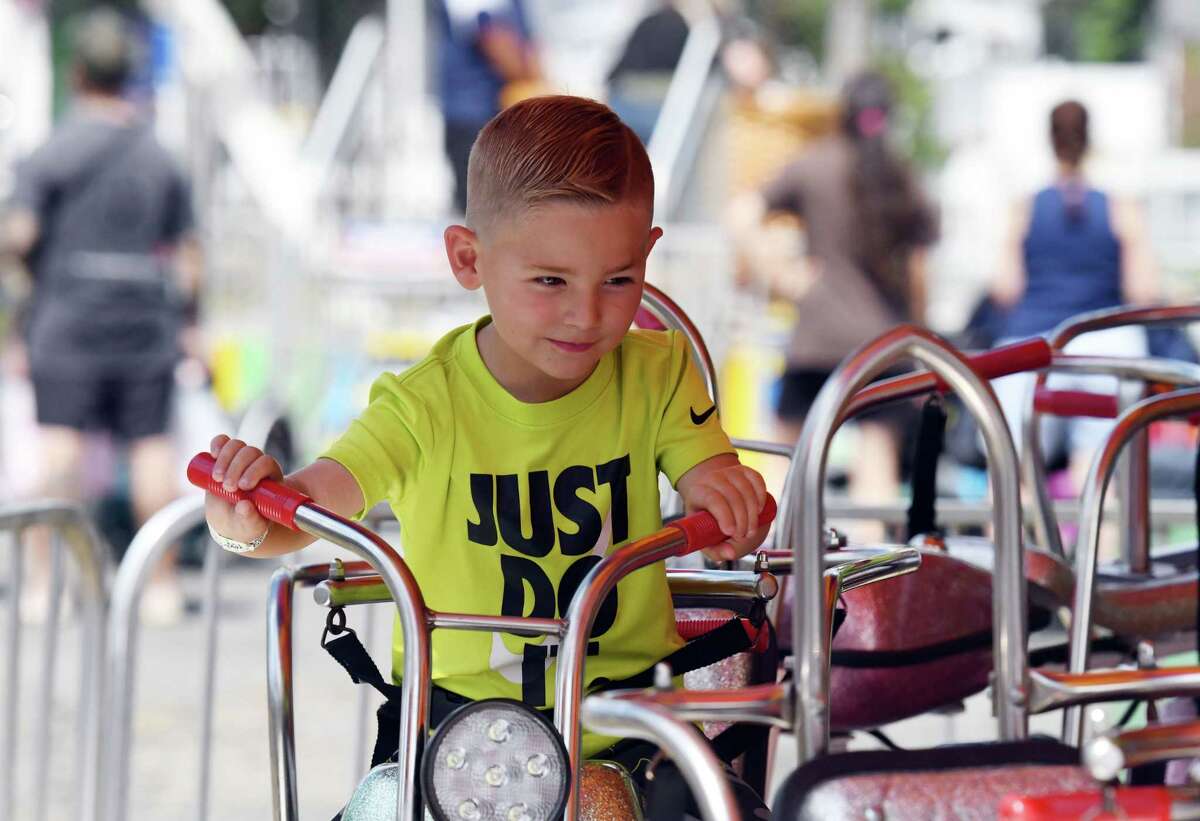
865	567
674	317
759	446
585	606
1144	369
414	697
285	802
517	625
734	584
1088	545
75	532
802	519
1119	317
1133	488
777	562
730	583
682	742
1049	691
769	704
953	513
1105	757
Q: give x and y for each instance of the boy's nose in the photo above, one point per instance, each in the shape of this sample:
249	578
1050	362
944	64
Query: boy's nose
585	313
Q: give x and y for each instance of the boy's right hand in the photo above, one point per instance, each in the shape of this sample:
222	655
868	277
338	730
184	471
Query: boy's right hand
238	467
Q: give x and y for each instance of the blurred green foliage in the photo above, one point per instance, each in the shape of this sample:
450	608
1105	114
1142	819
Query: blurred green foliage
913	132
1109	31
792	23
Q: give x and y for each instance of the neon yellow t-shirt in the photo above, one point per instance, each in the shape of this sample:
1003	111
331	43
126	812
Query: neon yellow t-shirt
504	506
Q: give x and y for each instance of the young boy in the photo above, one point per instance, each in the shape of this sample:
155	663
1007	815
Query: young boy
527	445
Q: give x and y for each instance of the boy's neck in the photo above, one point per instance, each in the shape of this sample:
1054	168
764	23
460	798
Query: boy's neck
516	376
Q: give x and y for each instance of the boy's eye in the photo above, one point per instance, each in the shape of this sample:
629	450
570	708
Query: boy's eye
549	281
619	280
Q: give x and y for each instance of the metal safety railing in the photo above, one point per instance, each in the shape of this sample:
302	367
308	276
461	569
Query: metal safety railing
70	531
154	539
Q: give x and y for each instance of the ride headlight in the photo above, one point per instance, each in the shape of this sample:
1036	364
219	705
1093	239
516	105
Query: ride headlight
495	760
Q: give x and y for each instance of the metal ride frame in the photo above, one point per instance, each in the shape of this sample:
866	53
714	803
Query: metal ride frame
292	509
71	529
1129	432
803	704
1134	483
1017	691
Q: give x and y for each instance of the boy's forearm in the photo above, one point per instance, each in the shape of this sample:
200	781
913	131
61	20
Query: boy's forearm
280	541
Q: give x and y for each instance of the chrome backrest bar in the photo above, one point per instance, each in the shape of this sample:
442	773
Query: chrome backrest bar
1128	425
802	520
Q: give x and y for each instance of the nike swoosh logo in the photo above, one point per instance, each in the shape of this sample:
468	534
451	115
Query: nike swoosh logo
700	418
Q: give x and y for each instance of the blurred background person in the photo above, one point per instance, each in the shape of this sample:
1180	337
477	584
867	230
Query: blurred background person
637	84
866	228
485	47
1071	248
101	217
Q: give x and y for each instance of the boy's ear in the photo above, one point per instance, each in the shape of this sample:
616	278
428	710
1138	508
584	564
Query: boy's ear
462	251
655	235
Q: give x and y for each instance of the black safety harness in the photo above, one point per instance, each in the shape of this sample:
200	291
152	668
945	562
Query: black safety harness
736	635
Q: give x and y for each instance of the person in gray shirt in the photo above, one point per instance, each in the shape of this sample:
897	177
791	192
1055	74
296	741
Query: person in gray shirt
101	217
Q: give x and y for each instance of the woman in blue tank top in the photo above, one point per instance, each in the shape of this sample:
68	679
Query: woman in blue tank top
1071	249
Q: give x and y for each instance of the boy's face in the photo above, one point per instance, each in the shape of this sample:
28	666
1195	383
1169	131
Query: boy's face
563	282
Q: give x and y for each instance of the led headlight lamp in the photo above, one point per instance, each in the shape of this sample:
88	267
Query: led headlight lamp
495	760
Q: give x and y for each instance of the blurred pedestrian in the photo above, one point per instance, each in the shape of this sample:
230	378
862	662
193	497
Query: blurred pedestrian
866	227
1071	248
638	82
485	47
101	216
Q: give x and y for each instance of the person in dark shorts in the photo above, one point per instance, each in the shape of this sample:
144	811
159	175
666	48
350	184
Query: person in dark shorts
101	217
485	45
867	227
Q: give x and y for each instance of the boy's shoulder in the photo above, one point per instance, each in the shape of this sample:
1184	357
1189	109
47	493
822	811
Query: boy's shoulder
652	350
428	378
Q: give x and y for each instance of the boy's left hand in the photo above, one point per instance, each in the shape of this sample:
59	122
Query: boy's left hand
734	494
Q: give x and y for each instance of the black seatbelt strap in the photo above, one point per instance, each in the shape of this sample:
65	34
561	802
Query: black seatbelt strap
931	436
349	652
727	640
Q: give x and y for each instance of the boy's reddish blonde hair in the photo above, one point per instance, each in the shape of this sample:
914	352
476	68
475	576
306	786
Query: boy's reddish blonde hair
556	148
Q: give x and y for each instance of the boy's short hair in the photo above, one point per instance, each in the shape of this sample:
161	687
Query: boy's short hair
555	148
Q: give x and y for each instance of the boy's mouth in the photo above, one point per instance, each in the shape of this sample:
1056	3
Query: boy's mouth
572	347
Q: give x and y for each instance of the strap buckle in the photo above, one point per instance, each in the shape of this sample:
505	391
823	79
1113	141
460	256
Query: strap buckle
335	625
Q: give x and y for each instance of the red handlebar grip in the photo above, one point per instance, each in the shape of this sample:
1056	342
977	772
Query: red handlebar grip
1075	403
274	501
1030	355
700	530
